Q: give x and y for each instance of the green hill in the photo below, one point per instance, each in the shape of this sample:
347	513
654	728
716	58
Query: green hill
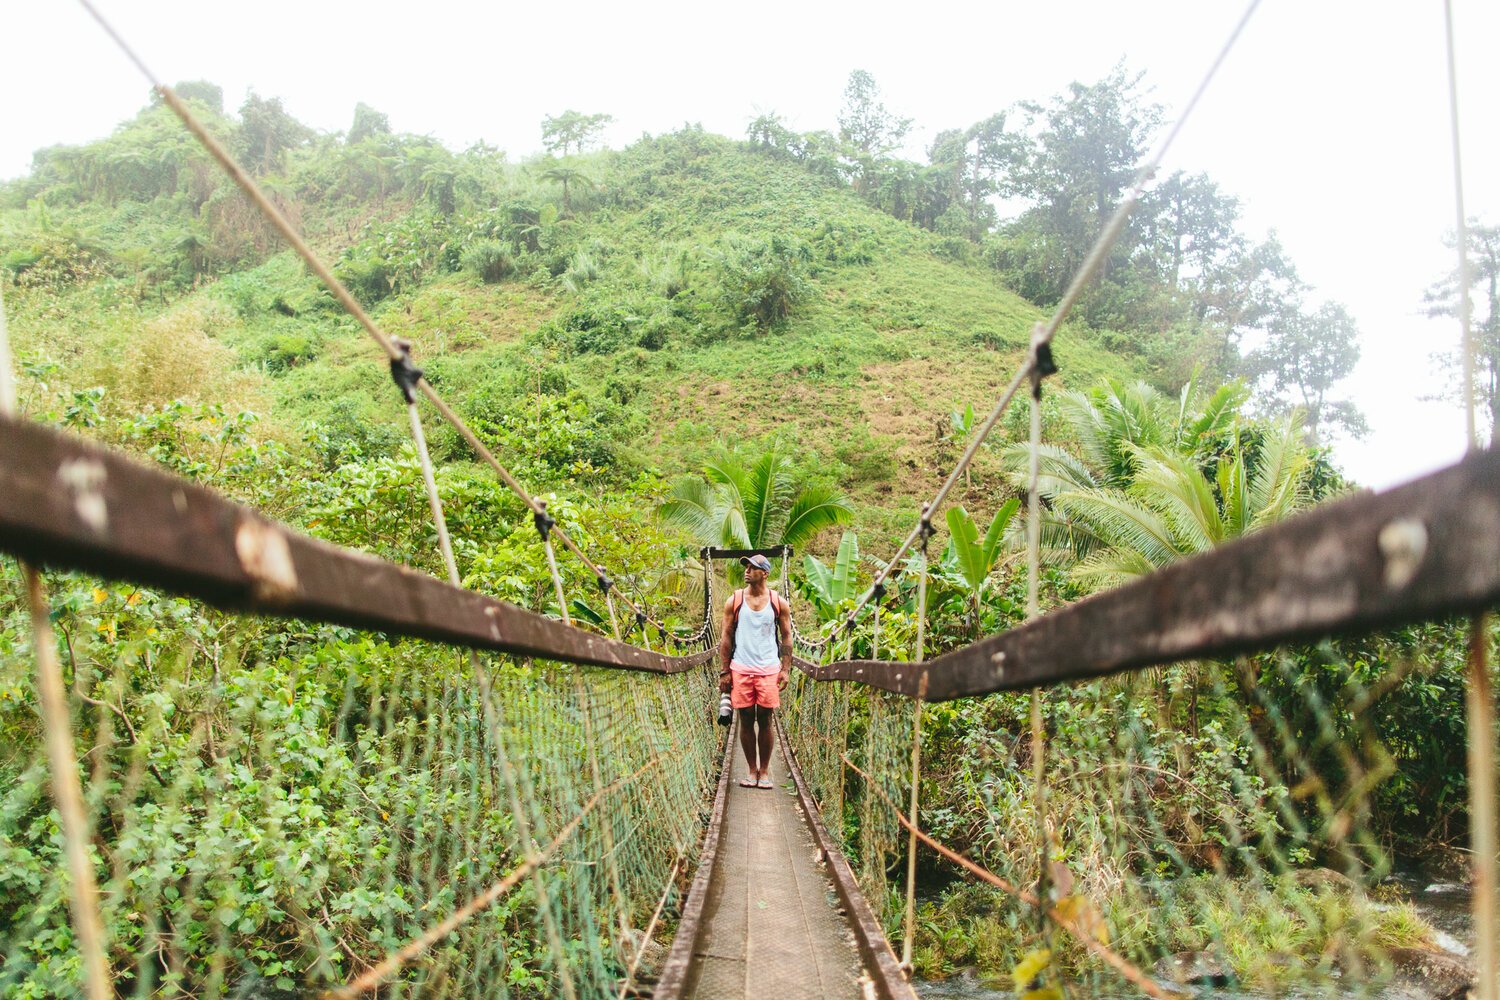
627	306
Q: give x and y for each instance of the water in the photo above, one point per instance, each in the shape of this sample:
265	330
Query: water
1444	905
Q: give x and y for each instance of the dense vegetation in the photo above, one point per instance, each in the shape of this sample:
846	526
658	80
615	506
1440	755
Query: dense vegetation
803	313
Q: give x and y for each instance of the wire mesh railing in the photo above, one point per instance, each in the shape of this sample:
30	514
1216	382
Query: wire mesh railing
1218	822
278	810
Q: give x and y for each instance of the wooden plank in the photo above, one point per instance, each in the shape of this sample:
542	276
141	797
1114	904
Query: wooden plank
69	504
1371	561
875	950
679	961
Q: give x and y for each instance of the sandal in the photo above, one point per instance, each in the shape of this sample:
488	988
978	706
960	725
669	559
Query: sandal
748	783
764	783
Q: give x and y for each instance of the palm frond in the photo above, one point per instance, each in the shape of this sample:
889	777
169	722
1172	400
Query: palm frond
1171	484
732	533
1111	568
1121	522
696	506
1278	486
1234	492
815	508
1218	413
767	493
1057	469
729	473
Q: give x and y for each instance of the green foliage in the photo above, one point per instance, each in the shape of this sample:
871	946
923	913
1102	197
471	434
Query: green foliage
830	589
753	504
491	260
975	557
572	131
764	280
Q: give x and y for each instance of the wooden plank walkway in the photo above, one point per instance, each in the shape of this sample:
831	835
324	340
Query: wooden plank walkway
772	922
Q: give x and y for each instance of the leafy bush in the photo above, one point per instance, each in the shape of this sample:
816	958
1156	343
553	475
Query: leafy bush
582	270
53	260
491	260
763	280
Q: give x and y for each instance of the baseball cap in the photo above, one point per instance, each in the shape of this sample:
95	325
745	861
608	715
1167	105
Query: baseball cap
756	562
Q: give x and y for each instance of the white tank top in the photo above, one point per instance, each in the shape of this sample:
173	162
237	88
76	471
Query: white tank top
755	639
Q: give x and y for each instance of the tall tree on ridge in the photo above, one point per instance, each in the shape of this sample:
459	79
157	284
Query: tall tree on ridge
571	131
866	128
1484	322
1305	355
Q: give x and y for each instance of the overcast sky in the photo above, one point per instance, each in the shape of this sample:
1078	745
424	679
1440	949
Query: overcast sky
1329	121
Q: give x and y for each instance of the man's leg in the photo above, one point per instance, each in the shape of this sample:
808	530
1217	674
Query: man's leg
747	740
767	738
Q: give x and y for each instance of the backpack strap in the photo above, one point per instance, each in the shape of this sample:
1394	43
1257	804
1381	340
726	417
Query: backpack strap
735	604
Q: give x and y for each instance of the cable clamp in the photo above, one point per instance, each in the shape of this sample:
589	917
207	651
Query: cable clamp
405	374
604	583
877	592
544	521
925	530
640	619
1042	365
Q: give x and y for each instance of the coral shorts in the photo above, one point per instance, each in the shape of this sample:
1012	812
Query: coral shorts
754	689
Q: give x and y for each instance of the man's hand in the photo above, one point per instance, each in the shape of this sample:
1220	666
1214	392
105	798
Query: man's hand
725	684
783	677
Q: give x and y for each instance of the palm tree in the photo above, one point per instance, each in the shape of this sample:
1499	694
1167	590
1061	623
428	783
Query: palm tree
753	505
1156	482
566	176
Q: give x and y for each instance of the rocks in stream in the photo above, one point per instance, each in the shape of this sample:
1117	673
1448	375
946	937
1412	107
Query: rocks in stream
1434	974
652	954
1196	968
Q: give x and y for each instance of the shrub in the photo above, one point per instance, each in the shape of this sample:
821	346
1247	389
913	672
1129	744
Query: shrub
582	271
491	260
763	280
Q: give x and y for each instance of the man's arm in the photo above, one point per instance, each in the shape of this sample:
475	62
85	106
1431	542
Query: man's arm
726	645
784	623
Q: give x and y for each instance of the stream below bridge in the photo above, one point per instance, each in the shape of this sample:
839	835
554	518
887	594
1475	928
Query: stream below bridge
1444	905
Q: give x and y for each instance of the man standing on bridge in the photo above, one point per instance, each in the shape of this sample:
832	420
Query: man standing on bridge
755	647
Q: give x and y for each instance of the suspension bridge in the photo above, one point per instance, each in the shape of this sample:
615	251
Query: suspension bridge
522	805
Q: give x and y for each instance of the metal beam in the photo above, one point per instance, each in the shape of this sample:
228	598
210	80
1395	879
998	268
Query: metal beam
69	504
1370	561
709	552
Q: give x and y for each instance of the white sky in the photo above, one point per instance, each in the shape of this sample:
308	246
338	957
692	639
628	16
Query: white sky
1329	121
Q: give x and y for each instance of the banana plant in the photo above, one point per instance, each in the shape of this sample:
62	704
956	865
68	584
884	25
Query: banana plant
972	557
829	588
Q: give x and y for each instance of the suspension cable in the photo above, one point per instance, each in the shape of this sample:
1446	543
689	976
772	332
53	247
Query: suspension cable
345	298
1479	697
1039	356
62	751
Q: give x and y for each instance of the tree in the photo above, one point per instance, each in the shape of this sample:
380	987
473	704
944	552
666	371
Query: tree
1080	159
1156	479
864	122
203	91
1187	223
1305	355
367	122
267	132
755	504
867	130
572	131
1484	322
566	176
